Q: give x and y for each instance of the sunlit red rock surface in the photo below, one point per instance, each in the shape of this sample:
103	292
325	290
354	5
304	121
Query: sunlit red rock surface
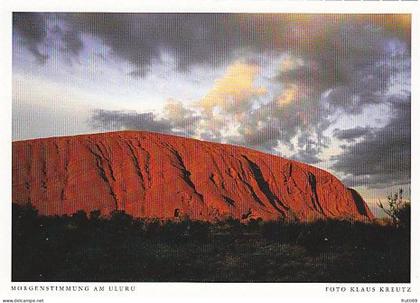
155	175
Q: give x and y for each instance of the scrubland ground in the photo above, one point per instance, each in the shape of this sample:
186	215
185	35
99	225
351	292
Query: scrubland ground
91	248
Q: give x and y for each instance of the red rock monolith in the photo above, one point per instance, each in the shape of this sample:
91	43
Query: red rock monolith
153	175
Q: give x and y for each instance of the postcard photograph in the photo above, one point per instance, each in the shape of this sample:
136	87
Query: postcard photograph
211	147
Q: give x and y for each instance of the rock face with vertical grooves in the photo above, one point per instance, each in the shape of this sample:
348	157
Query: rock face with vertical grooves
153	175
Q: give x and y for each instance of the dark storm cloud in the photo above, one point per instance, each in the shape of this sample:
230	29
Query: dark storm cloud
369	83
215	38
42	33
351	134
178	120
383	157
143	38
140	72
266	137
117	120
306	156
73	43
32	28
346	68
309	146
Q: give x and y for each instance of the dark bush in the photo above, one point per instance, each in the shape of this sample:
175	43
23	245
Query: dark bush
200	231
122	248
397	208
254	225
404	216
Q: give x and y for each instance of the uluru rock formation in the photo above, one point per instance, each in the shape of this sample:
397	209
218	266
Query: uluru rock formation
161	176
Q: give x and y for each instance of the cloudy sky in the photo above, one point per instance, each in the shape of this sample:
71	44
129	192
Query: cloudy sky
329	90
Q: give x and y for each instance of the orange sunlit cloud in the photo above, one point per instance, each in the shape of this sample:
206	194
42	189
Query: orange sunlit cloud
236	86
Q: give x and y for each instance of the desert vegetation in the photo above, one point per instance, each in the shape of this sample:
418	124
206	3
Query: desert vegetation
89	247
397	209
